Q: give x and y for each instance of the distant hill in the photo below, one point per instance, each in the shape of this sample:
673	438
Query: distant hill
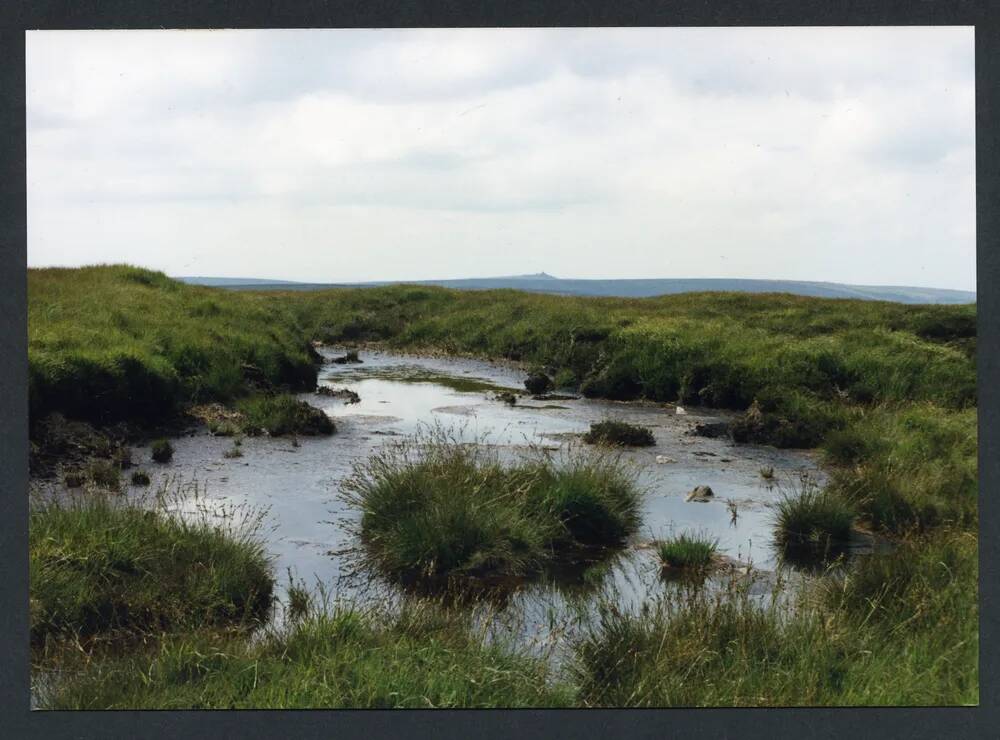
629	288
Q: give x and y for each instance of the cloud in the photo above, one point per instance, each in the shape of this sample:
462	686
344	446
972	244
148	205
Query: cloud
827	154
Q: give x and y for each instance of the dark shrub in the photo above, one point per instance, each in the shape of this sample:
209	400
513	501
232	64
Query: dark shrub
140	478
162	450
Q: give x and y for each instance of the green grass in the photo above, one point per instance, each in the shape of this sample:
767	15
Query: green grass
435	508
101	565
687	551
856	644
140	478
887	392
812	523
341	657
120	342
619	434
283	414
909	467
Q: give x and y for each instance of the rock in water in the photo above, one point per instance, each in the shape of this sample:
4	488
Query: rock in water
680	411
700	493
663	459
538	383
712	430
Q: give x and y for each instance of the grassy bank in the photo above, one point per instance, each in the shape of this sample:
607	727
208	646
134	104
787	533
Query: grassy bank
117	342
897	630
342	657
434	508
101	565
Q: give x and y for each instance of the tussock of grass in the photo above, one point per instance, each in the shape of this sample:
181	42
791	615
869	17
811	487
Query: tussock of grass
99	565
162	451
105	474
687	551
283	414
812	523
619	434
437	508
902	631
341	657
140	478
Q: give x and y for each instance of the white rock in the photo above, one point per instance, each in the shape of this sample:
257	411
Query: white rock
664	460
680	411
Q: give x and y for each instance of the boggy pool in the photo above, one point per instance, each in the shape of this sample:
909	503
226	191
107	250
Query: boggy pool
307	526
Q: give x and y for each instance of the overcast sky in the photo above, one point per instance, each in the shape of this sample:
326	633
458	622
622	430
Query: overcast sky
815	154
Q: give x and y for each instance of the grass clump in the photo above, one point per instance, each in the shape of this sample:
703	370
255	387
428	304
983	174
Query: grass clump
100	565
619	434
438	509
813	523
140	478
105	474
162	451
687	551
283	414
898	629
341	657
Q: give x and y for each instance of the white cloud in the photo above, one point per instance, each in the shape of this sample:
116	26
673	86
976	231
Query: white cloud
828	154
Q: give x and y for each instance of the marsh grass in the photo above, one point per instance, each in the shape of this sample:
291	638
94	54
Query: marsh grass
812	523
434	508
619	434
161	450
345	655
687	551
283	414
101	565
896	631
140	478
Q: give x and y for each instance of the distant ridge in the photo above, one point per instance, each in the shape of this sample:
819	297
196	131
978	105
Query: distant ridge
542	282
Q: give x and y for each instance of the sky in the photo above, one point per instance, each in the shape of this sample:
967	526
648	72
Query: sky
833	154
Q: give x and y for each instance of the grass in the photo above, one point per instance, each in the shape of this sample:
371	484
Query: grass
104	474
343	656
860	642
887	392
812	523
140	478
120	342
283	414
687	551
101	565
619	434
161	450
435	508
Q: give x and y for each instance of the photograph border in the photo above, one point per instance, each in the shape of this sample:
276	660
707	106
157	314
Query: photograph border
913	722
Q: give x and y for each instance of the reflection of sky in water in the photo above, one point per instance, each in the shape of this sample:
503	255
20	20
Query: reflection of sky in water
305	519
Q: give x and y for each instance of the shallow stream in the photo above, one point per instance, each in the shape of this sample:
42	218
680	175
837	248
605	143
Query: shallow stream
306	523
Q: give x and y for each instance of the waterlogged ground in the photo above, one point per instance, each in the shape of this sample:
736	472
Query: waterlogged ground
307	526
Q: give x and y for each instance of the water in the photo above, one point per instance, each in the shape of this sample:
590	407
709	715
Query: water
308	528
